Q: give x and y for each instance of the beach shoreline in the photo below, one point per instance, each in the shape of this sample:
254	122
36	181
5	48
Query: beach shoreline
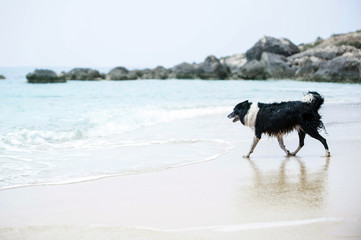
267	196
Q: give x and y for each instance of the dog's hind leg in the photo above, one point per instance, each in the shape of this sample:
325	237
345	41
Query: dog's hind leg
282	145
254	144
301	135
314	133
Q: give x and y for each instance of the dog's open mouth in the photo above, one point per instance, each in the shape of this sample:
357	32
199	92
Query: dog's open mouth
234	116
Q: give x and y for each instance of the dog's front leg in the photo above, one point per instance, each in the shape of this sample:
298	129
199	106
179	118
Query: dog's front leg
254	144
282	145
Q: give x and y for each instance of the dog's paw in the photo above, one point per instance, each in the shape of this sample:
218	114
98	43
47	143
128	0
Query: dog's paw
328	154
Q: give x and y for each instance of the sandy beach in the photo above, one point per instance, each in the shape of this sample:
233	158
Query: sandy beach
268	196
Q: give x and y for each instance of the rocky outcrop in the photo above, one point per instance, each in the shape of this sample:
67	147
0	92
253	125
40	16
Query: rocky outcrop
332	63
325	60
340	69
2	77
337	58
281	46
84	74
352	39
45	76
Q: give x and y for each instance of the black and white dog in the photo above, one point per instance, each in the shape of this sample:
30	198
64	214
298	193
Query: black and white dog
277	119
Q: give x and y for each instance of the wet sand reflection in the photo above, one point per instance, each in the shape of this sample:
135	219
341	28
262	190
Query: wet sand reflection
290	189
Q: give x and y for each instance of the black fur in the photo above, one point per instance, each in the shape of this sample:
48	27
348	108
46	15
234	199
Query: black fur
277	119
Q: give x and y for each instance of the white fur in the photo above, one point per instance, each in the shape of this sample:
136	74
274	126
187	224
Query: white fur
308	98
251	116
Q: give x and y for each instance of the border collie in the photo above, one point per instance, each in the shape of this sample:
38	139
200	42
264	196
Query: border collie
278	119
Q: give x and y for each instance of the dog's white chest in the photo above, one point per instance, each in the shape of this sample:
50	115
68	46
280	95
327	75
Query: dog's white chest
251	116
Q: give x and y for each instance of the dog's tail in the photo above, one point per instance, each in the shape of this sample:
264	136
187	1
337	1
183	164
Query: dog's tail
315	99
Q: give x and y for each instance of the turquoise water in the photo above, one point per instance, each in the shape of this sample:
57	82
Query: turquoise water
77	131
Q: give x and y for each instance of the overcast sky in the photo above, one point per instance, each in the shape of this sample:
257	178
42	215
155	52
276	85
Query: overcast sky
147	33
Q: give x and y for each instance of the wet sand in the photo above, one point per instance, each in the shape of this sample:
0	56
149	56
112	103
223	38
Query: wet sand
268	196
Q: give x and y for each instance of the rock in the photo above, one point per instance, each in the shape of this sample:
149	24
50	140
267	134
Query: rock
160	73
305	60
84	74
121	73
306	72
147	74
270	66
118	73
134	74
212	68
252	70
186	71
322	54
2	76
234	62
340	69
332	63
275	66
44	76
157	73
280	46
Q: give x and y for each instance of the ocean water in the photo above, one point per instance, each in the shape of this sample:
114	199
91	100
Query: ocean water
83	130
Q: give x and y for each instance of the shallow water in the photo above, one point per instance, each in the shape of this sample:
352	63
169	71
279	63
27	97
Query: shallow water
79	131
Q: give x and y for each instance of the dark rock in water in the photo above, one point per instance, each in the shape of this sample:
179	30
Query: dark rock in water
121	73
280	46
147	74
2	76
118	73
160	73
83	74
157	73
186	71
212	68
44	76
135	74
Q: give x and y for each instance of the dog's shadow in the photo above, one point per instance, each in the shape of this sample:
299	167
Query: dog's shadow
300	187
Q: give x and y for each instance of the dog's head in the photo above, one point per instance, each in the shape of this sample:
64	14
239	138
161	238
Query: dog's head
239	111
